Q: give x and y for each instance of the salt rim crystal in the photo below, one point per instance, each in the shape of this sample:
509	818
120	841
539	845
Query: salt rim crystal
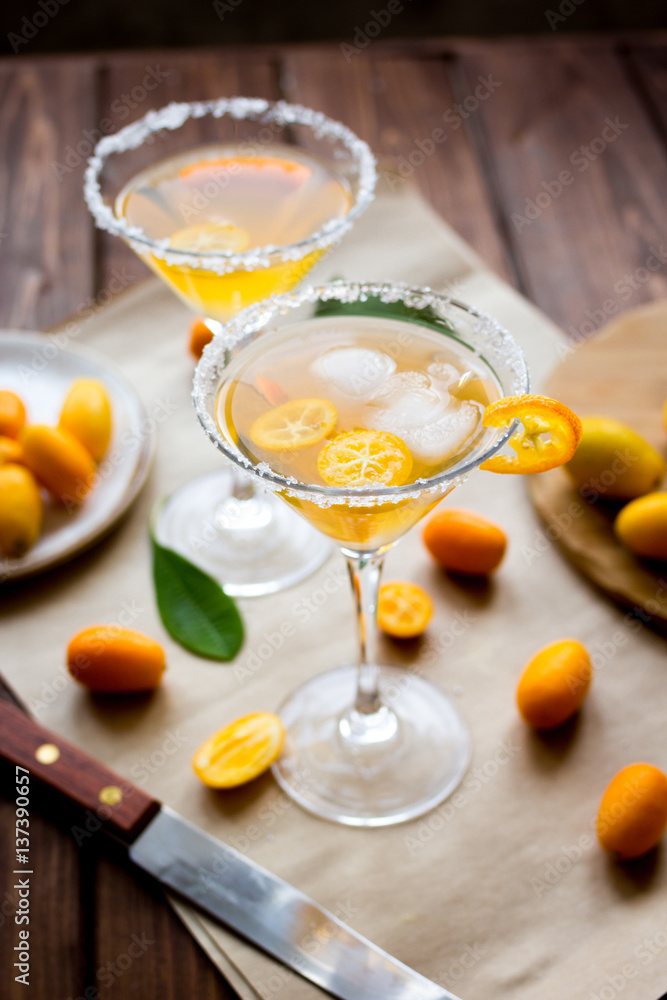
173	117
494	345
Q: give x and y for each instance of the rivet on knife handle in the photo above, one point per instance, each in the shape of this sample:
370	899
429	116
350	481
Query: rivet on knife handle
120	807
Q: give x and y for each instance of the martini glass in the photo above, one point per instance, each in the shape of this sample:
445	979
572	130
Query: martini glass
174	185
367	744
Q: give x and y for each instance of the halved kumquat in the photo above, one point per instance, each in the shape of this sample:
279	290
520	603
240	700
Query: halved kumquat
404	609
241	751
548	436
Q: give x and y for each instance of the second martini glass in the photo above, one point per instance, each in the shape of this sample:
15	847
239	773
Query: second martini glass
384	388
231	201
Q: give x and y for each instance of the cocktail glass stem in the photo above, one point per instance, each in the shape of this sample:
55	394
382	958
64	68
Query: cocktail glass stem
368	720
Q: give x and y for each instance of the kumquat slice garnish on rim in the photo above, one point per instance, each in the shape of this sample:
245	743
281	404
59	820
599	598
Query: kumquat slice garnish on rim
299	423
548	436
365	458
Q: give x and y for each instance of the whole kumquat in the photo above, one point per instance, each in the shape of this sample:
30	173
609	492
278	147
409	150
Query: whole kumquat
115	660
554	684
21	510
614	454
86	413
633	812
12	413
59	461
462	541
642	526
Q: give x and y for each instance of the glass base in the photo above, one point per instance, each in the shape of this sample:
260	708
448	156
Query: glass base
371	770
251	546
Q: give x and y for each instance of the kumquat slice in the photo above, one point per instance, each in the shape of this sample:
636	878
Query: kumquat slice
548	436
241	751
404	609
365	458
299	423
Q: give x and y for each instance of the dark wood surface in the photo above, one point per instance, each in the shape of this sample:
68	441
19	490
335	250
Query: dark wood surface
579	253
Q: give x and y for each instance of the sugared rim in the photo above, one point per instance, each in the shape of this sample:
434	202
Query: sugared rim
222	262
496	348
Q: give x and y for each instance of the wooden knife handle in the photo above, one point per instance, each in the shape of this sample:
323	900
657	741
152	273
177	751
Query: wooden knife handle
107	800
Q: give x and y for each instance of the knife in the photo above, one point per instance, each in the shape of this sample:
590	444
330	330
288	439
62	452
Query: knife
224	883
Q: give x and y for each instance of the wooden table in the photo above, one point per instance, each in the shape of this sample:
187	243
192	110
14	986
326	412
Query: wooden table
549	155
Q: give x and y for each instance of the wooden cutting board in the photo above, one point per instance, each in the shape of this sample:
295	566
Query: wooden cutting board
621	373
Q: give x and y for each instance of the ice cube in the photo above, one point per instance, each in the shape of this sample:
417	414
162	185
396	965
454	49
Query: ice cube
441	371
421	412
353	371
410	397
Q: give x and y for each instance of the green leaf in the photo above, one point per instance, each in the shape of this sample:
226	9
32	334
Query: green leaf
194	608
374	306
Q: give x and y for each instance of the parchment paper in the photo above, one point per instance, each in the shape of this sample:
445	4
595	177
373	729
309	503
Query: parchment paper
502	892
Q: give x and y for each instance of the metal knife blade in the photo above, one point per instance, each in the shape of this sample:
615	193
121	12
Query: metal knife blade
273	914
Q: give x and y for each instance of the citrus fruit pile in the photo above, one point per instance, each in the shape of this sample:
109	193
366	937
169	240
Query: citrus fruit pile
61	460
614	462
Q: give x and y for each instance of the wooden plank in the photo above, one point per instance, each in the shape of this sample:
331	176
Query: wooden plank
179	78
588	251
397	104
46	240
648	65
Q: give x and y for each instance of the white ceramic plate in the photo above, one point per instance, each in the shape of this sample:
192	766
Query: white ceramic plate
41	372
